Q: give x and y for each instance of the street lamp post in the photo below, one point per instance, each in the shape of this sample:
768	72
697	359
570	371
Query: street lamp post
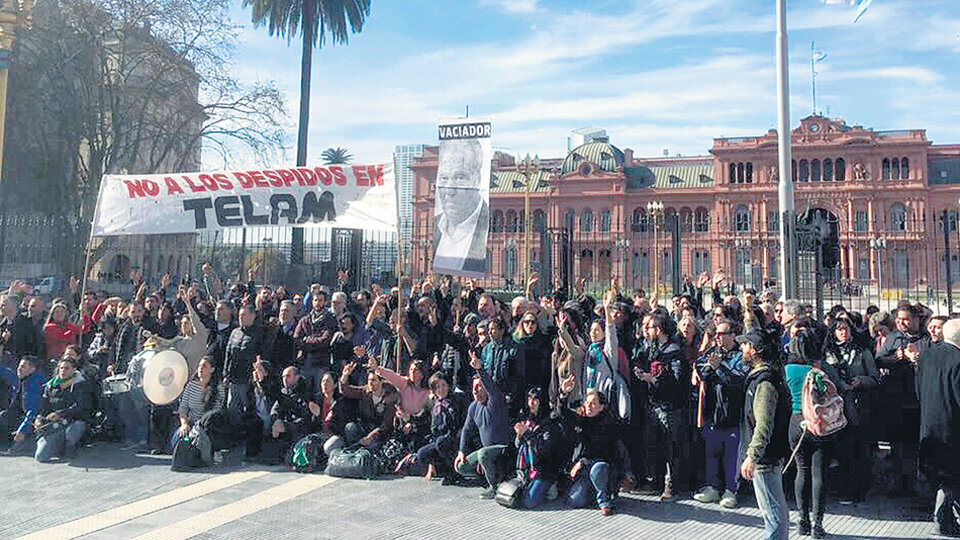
878	245
530	169
788	248
655	211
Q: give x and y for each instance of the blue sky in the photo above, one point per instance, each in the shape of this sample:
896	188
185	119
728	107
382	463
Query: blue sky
655	74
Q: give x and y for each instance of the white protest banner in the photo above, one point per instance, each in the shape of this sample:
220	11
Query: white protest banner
348	196
462	206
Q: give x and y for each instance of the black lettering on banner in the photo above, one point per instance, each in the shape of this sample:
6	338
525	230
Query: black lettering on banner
290	212
228	216
199	208
479	130
249	216
316	210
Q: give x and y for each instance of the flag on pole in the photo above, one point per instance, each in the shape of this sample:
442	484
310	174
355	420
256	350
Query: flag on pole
861	6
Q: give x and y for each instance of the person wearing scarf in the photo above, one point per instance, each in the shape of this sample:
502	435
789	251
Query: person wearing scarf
63	413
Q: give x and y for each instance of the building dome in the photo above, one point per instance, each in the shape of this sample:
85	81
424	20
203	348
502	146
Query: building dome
602	155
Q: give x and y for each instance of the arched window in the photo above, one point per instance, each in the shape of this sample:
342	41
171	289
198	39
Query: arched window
895	169
898	217
569	218
732	172
828	170
605	221
701	220
841	167
639	220
686	220
804	171
815	170
793	170
749	172
539	221
586	221
886	169
742	219
904	169
668	216
740	173
119	267
523	220
513	223
496	221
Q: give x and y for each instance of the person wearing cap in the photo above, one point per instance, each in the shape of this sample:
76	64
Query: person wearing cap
765	426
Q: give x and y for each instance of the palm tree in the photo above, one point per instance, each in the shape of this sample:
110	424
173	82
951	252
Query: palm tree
312	20
336	156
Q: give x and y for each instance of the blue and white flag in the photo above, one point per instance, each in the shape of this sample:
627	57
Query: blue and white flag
861	5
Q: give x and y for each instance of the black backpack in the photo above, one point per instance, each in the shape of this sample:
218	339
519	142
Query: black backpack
186	456
510	493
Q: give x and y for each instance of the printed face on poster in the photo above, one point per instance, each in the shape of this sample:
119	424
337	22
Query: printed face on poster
462	208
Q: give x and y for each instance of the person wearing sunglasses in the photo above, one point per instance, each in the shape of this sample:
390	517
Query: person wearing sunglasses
536	349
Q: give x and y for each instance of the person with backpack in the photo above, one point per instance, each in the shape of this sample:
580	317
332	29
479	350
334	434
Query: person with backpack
764	427
812	453
542	449
722	374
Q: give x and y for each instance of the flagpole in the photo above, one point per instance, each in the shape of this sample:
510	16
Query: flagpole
788	263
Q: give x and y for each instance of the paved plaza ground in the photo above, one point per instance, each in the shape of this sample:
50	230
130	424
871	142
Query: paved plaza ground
109	494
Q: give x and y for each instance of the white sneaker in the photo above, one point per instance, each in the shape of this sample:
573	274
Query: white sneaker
552	493
708	494
729	499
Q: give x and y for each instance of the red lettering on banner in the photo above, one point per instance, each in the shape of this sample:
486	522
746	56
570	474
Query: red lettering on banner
135	188
172	186
325	177
338	176
258	179
287	176
360	173
274	177
209	182
193	187
307	175
378	174
150	187
244	180
224	182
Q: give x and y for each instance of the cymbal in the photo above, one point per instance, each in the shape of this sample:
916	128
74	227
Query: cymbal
164	376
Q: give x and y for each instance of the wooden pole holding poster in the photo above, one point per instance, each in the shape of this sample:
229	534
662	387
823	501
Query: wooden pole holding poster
396	192
86	263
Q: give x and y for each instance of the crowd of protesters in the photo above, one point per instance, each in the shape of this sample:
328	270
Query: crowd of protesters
581	398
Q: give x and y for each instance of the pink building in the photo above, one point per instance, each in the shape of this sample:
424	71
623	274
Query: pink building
590	209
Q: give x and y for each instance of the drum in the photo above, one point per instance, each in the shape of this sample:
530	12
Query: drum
164	375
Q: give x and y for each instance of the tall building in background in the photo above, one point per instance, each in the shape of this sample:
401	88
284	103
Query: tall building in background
403	157
585	135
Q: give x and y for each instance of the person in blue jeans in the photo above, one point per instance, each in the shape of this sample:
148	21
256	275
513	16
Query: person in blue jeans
539	447
765	427
597	466
63	414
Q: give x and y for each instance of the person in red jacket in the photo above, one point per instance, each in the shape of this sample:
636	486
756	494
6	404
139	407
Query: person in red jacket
58	333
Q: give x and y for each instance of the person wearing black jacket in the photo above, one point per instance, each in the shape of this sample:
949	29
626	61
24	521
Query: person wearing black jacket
940	424
597	460
246	342
293	415
17	337
280	347
64	411
542	449
721	372
666	399
219	335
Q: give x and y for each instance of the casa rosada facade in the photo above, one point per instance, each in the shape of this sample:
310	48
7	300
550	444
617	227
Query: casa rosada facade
591	210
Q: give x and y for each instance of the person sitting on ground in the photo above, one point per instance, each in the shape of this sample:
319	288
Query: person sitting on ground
27	390
63	413
200	396
597	465
294	414
377	406
541	449
444	433
486	419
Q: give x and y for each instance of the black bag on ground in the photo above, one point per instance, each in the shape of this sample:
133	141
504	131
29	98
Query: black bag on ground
510	493
352	463
186	456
